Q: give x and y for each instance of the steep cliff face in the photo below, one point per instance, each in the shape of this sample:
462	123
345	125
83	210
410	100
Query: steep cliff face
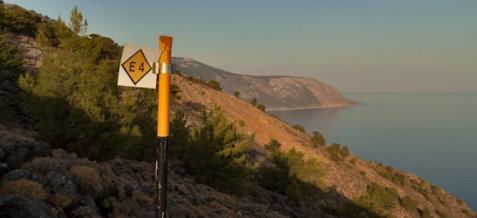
275	92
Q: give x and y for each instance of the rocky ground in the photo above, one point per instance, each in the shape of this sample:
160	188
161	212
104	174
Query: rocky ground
39	182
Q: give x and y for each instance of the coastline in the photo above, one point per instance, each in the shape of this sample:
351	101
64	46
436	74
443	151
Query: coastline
330	106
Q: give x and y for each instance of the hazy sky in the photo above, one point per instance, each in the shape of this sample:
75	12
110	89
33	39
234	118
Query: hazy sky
356	45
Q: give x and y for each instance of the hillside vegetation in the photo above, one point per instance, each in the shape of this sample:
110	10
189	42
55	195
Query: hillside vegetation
73	144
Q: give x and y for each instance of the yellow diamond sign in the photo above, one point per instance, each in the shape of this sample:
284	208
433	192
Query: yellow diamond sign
136	66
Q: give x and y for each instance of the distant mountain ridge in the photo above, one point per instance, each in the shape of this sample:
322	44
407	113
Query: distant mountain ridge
275	92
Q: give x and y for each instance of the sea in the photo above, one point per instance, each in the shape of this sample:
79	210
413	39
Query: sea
433	135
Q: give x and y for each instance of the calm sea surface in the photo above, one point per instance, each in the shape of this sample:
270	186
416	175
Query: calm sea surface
433	135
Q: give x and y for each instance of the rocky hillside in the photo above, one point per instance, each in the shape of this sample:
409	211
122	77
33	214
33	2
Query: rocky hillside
41	179
351	177
275	92
39	182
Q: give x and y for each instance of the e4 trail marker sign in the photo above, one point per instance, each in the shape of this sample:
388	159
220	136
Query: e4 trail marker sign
144	68
136	67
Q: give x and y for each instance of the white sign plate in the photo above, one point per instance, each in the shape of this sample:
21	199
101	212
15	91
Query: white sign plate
136	67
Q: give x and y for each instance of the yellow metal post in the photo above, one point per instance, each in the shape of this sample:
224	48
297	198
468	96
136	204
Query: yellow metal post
163	101
165	45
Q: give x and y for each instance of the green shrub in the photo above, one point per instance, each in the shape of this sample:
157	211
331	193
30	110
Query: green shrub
237	94
420	187
348	210
344	151
24	187
317	139
393	175
45	35
214	85
334	151
425	213
299	128
217	153
175	91
10	57
261	107
378	199
253	102
277	176
289	173
78	107
11	65
408	203
338	153
273	145
18	20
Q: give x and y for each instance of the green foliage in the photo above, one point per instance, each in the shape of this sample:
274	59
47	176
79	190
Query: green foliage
216	153
237	94
253	102
289	173
77	93
392	175
307	170
261	107
78	106
175	92
214	84
276	177
408	203
179	137
299	128
45	35
338	152
104	48
348	210
10	57
317	139
378	199
77	25
11	65
420	187
18	20
211	83
273	146
425	213
54	33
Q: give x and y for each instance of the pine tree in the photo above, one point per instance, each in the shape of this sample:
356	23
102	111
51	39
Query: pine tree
77	25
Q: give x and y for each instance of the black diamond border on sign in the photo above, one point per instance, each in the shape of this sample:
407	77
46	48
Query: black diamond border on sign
145	58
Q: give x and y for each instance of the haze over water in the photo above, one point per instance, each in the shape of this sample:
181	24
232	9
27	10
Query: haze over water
433	135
